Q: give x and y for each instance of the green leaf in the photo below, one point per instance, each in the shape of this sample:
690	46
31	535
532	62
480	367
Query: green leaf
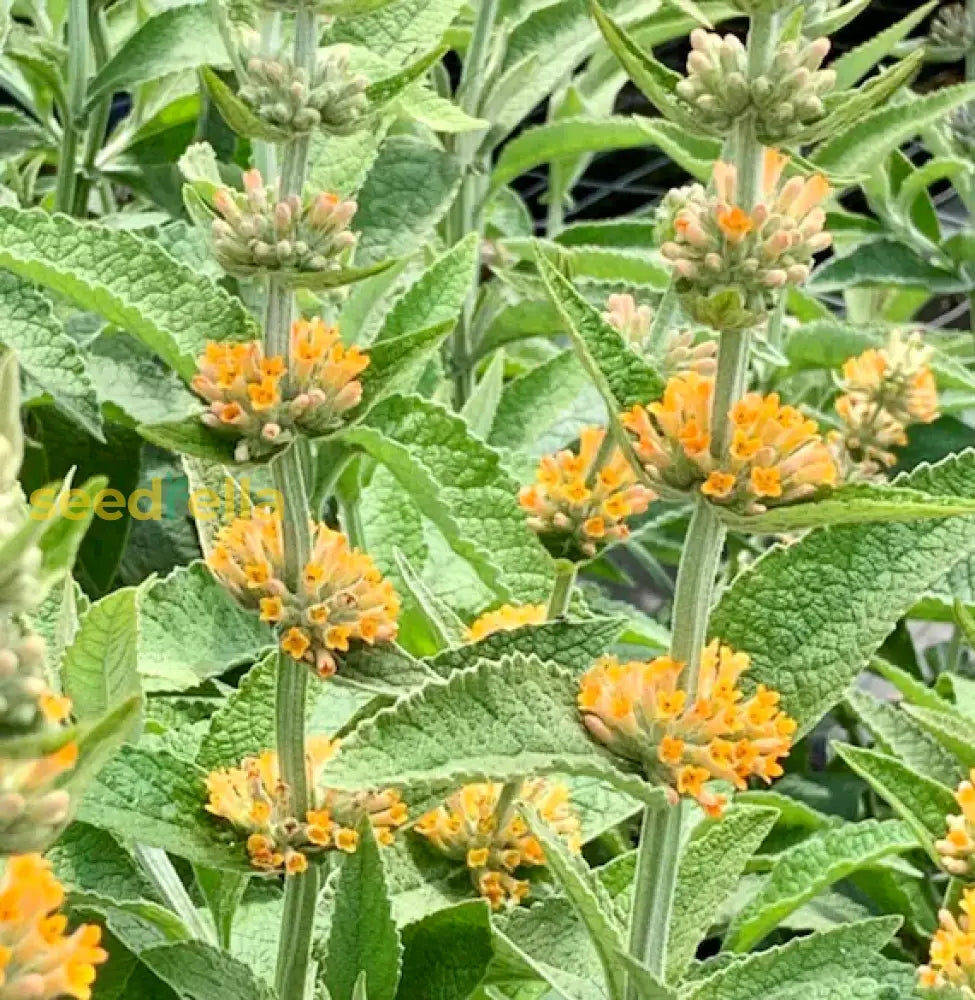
568	137
127	280
198	971
19	133
857	581
803	967
590	900
396	364
854	503
385	90
89	860
949	730
531	403
29	327
481	407
496	721
710	868
340	163
190	436
223	892
802	872
871	137
399	30
437	113
132	384
191	629
884	263
622	377
573	645
237	114
914	691
100	667
922	803
363	939
409	188
156	799
437	295
173	41
897	734
446	954
458	482
853	66
657	81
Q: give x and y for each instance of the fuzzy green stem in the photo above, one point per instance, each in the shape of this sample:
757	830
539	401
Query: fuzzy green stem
467	215
663	321
565	578
98	121
301	891
659	850
265	153
970	54
78	43
160	871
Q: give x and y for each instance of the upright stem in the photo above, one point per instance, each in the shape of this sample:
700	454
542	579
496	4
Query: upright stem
78	42
467	215
98	122
301	891
660	838
970	54
565	578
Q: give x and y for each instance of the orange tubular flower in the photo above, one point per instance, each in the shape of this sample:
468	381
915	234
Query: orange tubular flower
957	849
639	712
342	599
257	803
265	402
885	390
507	618
577	509
38	960
950	972
777	455
466	829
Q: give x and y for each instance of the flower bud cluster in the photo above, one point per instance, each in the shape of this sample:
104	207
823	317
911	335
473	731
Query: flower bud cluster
467	828
33	808
507	618
342	597
952	32
784	100
885	391
682	353
255	800
288	97
957	848
257	233
266	403
950	972
639	711
776	454
27	704
577	505
38	959
730	263
961	124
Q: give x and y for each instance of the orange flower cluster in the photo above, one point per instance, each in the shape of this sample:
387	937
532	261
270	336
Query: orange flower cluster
266	402
38	960
257	802
577	507
885	391
777	455
950	972
729	262
957	849
639	711
467	828
342	597
507	618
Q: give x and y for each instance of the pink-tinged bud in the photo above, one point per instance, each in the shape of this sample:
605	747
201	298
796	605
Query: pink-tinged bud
700	39
671	251
776	279
224	203
790	192
599	730
696	236
713	262
686	269
798	274
52	809
820	242
350	396
210	419
323	209
8	663
12	806
221	231
253	181
324	663
776	245
698	62
271	432
816	52
282	217
561	521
